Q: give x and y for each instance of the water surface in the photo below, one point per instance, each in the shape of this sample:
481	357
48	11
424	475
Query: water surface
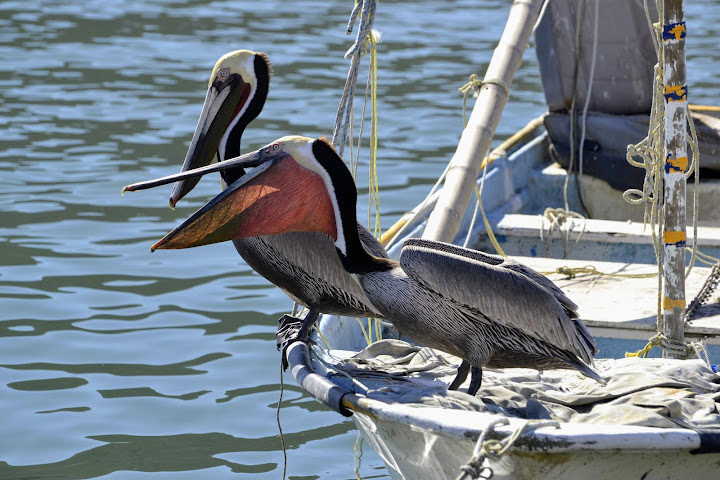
120	364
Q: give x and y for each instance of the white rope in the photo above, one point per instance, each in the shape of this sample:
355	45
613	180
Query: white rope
561	219
355	53
587	104
496	448
650	155
419	210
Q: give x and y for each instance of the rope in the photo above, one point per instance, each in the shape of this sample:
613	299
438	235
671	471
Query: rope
373	181
643	352
581	147
699	348
420	209
355	53
479	206
649	154
496	448
366	40
358	455
695	349
473	86
572	272
579	24
562	220
707	259
277	417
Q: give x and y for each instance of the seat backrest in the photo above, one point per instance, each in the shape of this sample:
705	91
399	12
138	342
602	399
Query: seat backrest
622	81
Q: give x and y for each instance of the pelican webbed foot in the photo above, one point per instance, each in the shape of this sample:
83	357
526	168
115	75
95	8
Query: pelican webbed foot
293	329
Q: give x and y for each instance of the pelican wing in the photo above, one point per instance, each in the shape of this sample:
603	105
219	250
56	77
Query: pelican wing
371	244
501	289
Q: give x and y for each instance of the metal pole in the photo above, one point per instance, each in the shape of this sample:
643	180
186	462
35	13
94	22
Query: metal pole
676	164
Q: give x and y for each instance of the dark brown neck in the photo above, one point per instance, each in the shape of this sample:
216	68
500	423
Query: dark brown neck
353	255
255	106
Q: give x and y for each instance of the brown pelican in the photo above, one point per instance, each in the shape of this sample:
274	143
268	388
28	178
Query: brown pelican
303	264
486	309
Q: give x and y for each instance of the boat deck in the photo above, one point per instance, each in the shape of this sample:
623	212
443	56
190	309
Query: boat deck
618	303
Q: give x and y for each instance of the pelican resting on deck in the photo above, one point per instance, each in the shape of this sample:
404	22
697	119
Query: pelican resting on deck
303	264
488	310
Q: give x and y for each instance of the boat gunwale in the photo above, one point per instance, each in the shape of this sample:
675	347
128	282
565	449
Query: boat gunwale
567	437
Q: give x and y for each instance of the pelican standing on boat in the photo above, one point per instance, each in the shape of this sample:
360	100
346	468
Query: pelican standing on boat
303	264
486	309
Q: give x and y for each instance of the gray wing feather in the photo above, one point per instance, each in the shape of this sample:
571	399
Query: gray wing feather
371	244
501	289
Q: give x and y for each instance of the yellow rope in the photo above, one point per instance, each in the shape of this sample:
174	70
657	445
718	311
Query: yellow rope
651	154
358	455
472	86
369	45
374	183
643	352
572	272
366	334
488	228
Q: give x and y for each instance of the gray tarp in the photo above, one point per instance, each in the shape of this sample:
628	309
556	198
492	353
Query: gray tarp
648	392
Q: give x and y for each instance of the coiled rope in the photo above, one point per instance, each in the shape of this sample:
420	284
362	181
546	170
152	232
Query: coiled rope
649	154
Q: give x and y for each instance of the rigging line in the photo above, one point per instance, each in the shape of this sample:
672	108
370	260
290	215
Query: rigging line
374	183
355	53
479	206
581	147
358	455
277	416
694	168
419	210
579	23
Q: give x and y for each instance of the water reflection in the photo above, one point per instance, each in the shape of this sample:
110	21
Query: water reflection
118	363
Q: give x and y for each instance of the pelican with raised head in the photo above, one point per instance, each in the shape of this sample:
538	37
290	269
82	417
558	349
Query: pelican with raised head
488	310
303	264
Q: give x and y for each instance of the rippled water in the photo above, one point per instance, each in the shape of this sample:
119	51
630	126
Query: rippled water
120	364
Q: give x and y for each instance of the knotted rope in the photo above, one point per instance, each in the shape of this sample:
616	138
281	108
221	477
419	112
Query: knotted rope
649	154
496	448
561	219
473	86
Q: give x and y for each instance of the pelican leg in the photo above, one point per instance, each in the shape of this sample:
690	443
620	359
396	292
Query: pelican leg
292	329
462	374
475	380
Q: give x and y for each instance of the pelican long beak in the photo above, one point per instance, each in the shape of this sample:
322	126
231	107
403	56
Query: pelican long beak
253	159
277	196
222	102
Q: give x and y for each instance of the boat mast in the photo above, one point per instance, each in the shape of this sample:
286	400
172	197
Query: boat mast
474	144
676	165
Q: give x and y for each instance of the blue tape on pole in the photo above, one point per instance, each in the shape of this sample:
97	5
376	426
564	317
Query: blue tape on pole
674	31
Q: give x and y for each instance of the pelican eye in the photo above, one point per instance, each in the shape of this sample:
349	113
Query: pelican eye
276	146
223	73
